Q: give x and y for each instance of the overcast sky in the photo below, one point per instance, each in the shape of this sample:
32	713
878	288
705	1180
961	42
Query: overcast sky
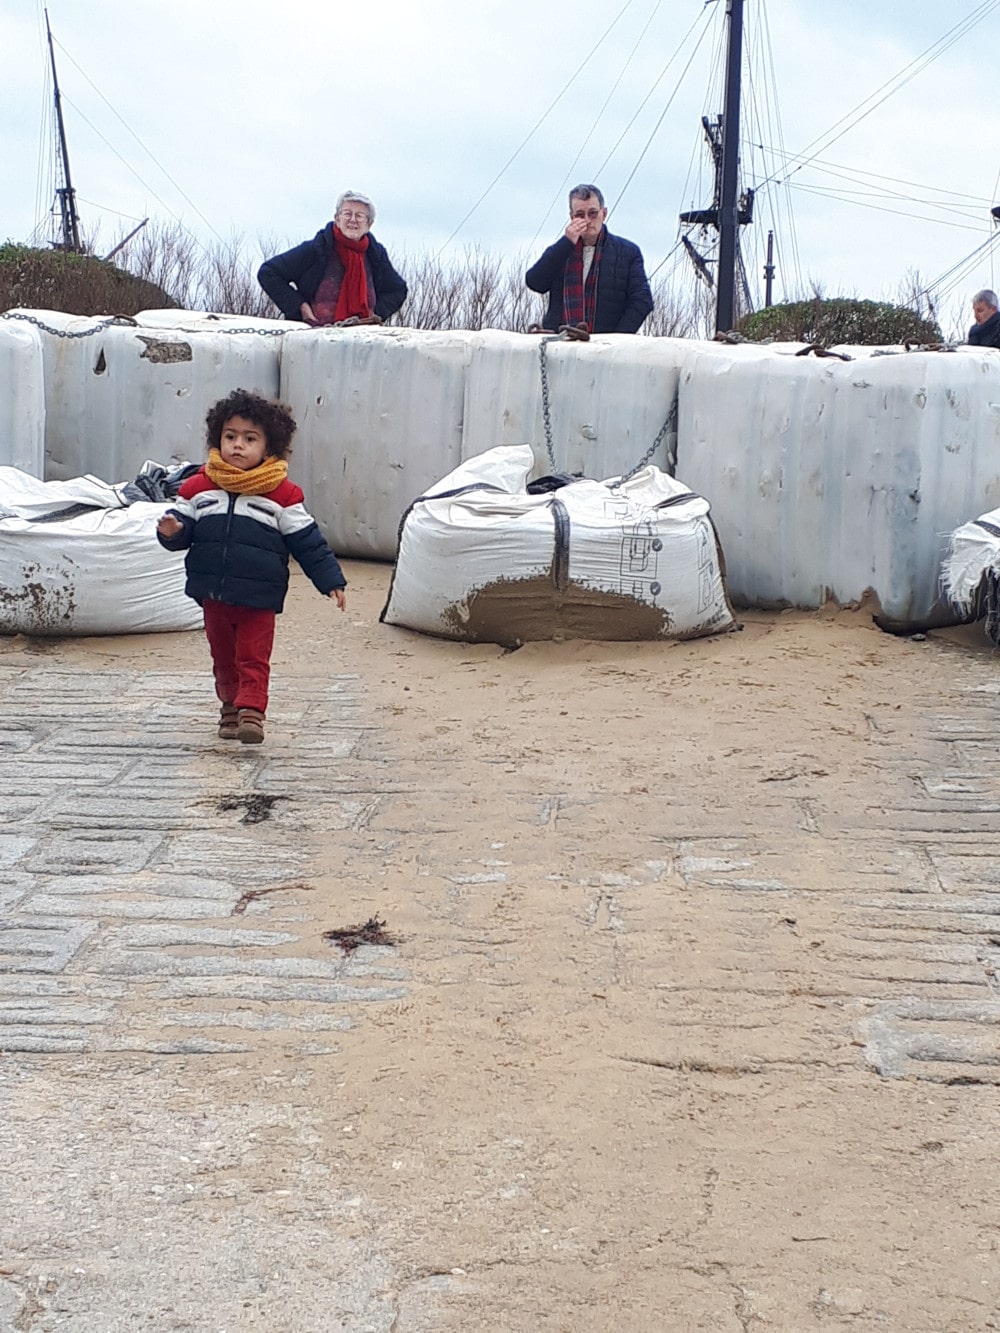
251	117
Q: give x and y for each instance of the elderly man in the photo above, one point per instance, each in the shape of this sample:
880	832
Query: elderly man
591	276
986	330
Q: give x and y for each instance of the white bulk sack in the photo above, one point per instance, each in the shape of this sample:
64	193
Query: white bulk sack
73	563
972	566
483	561
25	496
22	397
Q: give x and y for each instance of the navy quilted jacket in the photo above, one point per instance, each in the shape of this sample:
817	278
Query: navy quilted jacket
238	545
623	296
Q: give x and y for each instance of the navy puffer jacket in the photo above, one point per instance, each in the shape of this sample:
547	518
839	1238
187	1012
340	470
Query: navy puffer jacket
238	545
623	296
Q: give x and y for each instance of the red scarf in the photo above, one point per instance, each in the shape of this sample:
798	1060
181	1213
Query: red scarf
353	297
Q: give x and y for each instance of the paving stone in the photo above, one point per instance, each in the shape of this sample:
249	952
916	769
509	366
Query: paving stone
152	965
40	944
13	889
40	775
71	988
13	846
39	1011
251	860
273	992
165	937
92	851
145	882
266	1021
33	1043
120	907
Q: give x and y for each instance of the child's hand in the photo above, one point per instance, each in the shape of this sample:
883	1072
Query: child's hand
340	597
169	526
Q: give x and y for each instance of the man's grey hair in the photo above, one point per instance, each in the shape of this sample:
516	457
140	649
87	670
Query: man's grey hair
988	298
352	196
585	192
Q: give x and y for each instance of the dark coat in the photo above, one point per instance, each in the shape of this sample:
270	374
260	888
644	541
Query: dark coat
305	266
623	296
238	545
988	333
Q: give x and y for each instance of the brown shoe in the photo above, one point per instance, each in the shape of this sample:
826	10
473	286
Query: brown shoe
229	719
251	726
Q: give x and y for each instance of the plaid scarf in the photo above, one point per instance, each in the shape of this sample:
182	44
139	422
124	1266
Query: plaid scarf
579	298
260	480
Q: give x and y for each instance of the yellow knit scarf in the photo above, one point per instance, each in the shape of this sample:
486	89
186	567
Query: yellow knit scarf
260	480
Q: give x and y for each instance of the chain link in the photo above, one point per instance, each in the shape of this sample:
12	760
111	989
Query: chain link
547	420
648	455
125	320
264	333
546	409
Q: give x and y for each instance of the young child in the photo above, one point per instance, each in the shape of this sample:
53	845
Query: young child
239	517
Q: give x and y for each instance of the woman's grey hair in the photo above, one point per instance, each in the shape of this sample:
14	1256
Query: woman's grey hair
353	197
988	298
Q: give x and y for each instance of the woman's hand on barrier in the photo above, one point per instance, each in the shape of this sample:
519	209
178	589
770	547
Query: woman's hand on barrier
169	526
306	311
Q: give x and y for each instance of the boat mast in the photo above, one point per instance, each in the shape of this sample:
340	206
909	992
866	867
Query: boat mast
729	210
67	195
729	222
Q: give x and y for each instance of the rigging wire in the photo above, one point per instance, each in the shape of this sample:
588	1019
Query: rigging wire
597	119
44	184
952	277
656	83
45	174
833	168
659	122
132	169
146	150
770	86
893	85
545	115
103	208
825	193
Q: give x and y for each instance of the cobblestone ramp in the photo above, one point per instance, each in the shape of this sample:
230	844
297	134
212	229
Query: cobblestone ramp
150	899
915	969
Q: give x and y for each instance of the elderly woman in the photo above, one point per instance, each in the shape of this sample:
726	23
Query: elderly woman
342	273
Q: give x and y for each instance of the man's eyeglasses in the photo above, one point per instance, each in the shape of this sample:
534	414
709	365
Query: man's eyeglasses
590	214
350	216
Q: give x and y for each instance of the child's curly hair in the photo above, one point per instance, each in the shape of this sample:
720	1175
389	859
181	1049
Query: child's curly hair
274	419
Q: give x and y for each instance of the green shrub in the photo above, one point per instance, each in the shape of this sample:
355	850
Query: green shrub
841	320
74	284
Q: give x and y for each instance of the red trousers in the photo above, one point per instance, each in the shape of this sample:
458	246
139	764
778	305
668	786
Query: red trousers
241	638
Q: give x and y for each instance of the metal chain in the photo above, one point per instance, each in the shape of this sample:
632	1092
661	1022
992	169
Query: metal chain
126	320
546	410
547	420
264	333
648	455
